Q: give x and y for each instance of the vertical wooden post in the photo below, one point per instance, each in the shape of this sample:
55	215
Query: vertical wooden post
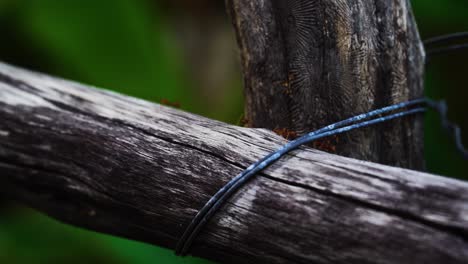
308	63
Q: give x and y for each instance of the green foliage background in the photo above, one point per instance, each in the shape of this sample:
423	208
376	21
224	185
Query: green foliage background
130	46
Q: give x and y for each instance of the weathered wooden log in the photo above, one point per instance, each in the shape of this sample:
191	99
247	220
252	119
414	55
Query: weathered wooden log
139	170
309	63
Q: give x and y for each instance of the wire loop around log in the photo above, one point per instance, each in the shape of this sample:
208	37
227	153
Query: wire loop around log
359	121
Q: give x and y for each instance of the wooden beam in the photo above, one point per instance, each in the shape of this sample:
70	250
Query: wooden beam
139	170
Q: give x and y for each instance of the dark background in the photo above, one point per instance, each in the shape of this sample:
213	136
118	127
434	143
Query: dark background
178	51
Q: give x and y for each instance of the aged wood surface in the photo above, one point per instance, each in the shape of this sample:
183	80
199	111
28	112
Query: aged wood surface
127	167
309	63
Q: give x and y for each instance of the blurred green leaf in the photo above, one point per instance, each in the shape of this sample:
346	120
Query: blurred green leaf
444	80
441	14
27	237
30	237
118	44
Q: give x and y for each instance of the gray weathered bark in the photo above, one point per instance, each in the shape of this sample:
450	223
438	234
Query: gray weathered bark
309	63
131	168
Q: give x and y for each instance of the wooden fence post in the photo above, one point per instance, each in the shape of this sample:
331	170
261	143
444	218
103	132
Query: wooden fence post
309	63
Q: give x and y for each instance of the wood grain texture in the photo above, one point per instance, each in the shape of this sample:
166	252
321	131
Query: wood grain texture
309	63
130	168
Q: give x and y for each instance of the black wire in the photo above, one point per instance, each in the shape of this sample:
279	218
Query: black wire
261	164
226	191
452	129
210	208
441	107
444	38
441	50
